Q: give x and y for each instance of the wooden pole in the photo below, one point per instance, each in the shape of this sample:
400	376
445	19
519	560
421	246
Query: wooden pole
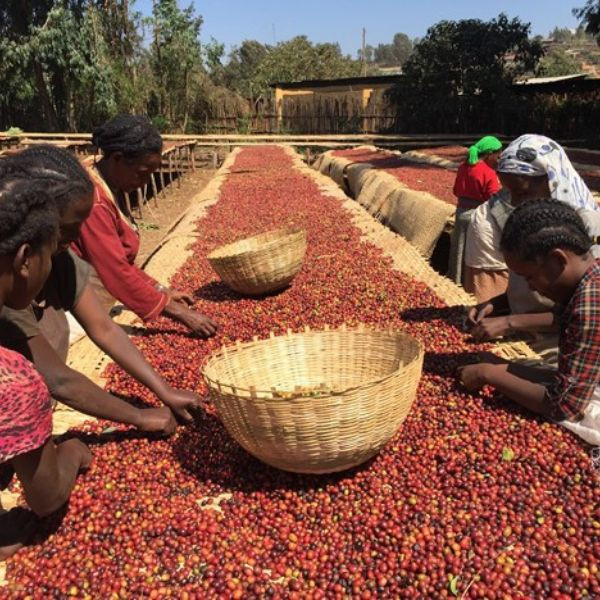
128	202
154	190
364	49
161	174
140	199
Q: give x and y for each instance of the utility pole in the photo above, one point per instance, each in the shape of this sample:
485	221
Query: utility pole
364	49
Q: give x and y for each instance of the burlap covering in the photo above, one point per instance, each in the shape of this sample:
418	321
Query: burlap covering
377	187
356	174
407	259
430	159
419	217
325	163
337	170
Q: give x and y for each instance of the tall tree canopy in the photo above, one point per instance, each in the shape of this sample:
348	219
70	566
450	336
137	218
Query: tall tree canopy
458	75
589	16
395	53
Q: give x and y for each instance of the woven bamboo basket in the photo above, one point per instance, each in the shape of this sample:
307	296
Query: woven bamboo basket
317	401
262	263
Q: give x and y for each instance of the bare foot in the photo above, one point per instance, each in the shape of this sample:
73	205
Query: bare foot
17	526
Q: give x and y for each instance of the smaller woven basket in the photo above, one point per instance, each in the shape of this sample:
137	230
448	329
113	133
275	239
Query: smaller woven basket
262	263
317	401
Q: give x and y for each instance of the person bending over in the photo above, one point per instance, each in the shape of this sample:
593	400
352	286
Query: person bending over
546	242
131	151
47	471
41	332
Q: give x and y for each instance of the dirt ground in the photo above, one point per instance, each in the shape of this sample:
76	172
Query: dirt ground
157	220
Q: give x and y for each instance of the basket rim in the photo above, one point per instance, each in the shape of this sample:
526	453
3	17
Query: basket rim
253	392
226	251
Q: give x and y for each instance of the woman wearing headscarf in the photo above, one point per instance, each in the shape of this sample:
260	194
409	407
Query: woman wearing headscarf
476	181
531	167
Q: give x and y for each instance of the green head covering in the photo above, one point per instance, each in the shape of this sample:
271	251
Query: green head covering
485	145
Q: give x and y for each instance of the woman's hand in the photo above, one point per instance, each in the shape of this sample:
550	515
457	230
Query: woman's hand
479	312
180	402
179	296
473	377
491	329
198	323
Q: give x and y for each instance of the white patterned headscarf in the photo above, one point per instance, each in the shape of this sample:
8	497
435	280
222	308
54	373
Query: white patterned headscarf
534	155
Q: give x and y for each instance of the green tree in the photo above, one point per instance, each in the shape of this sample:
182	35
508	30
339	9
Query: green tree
561	34
557	62
51	73
242	66
299	59
395	53
176	61
589	15
458	76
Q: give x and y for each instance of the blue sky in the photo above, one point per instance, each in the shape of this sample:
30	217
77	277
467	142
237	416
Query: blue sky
232	21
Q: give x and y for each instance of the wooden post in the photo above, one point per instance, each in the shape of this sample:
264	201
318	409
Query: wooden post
179	165
365	97
192	149
154	190
279	107
128	202
161	173
215	159
140	199
170	166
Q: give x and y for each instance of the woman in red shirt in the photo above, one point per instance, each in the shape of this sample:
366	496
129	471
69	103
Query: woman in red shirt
131	152
476	182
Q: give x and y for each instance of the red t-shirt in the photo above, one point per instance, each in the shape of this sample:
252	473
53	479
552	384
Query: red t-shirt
110	245
476	182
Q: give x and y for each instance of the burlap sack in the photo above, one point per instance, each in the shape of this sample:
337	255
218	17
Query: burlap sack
356	175
419	217
325	163
377	186
429	159
336	170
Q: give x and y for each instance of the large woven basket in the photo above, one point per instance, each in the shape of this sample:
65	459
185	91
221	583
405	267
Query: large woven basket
263	263
317	401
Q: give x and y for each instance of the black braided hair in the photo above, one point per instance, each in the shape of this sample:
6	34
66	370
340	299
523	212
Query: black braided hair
27	215
132	135
62	175
538	226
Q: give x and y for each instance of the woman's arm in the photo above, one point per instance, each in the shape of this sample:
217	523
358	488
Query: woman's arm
100	244
81	394
111	338
495	327
496	306
523	385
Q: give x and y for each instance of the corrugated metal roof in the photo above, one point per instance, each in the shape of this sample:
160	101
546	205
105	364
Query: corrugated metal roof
538	80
